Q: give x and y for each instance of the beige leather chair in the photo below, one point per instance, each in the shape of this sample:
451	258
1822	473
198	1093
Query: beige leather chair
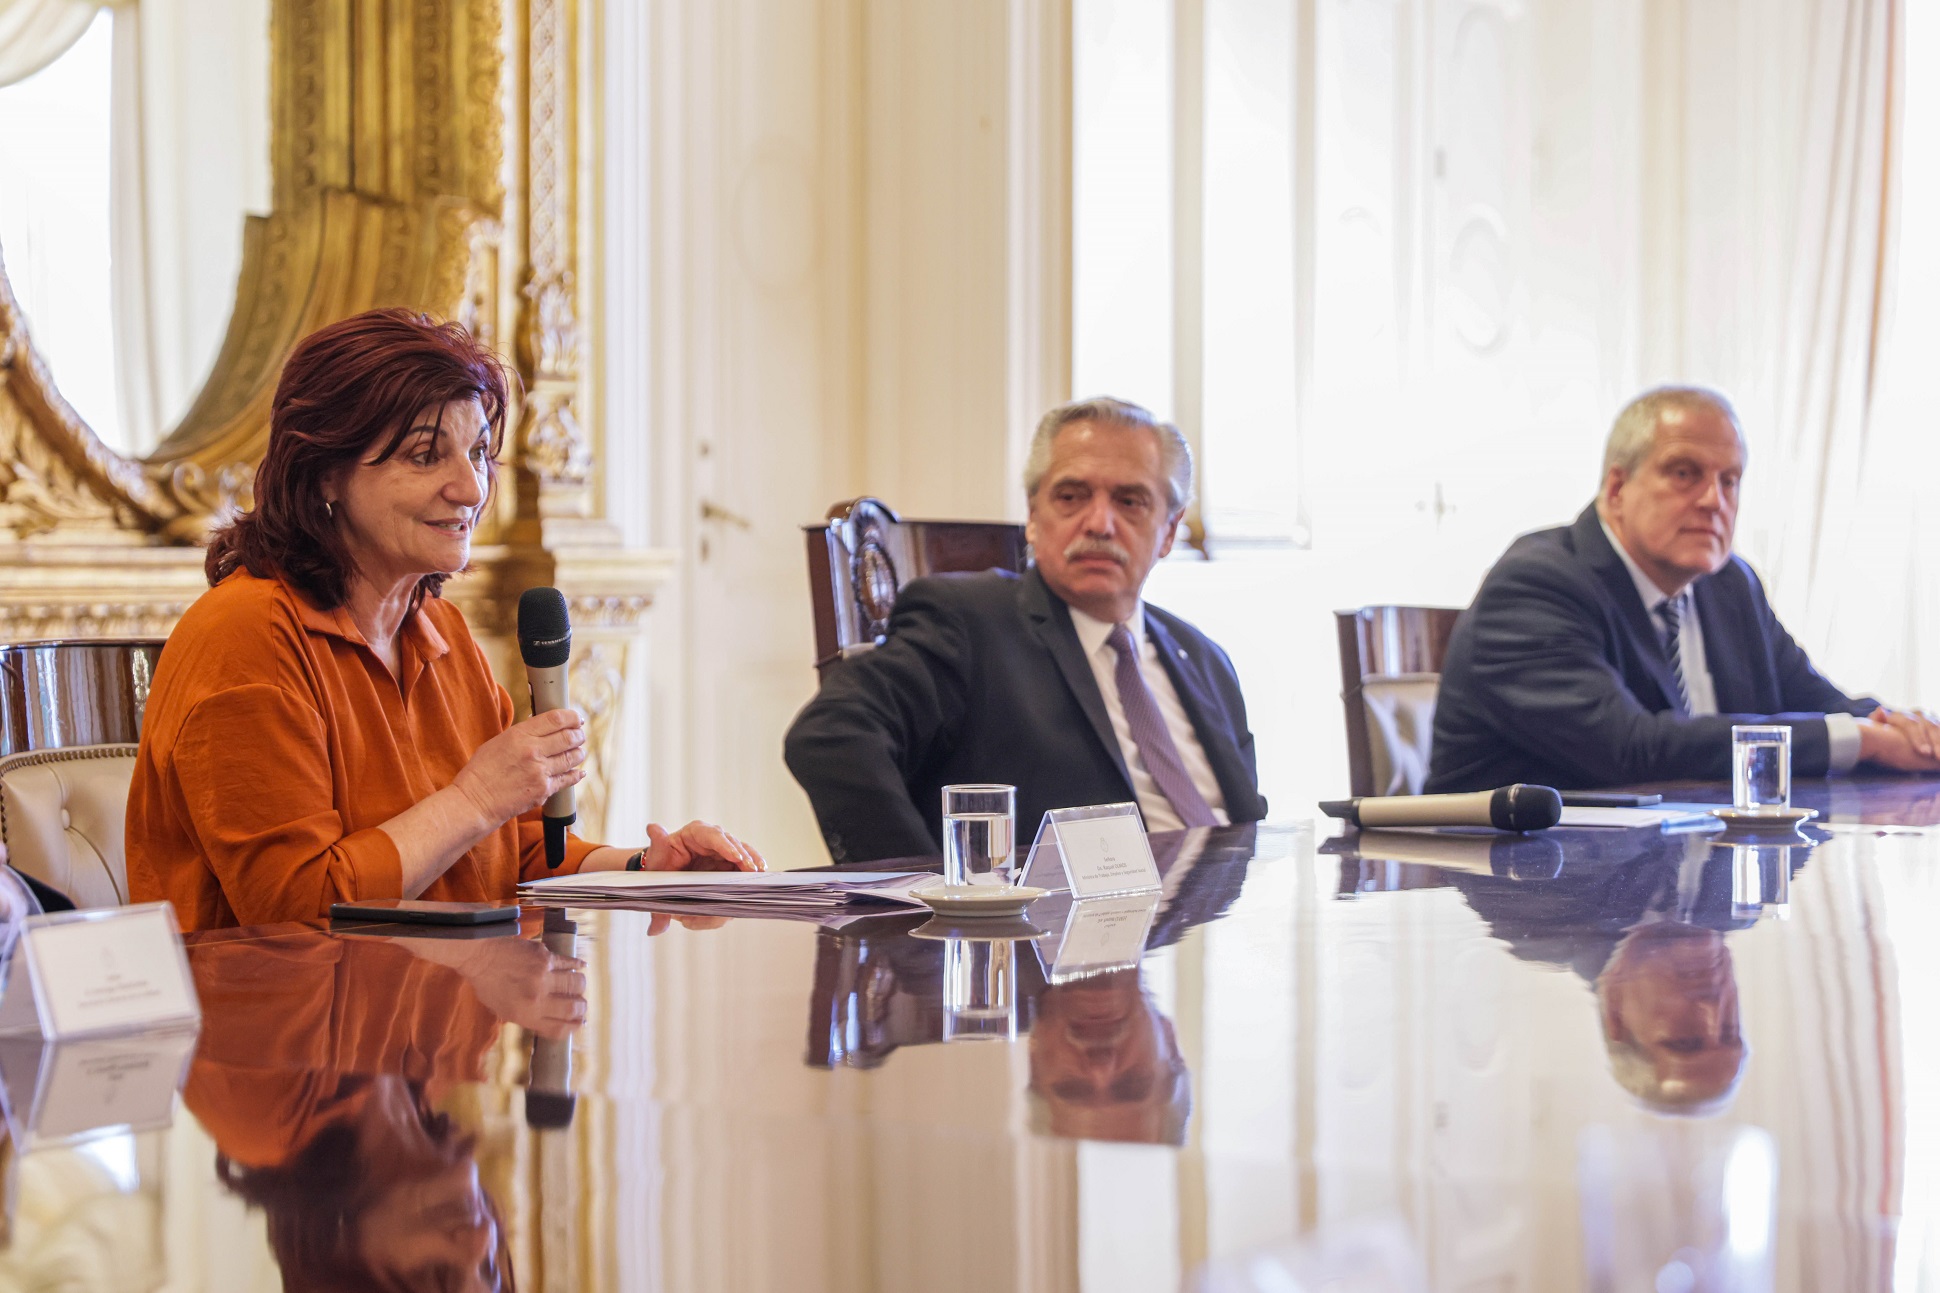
1390	662
61	818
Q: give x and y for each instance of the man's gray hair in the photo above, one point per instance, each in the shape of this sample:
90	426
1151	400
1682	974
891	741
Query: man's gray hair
1175	455
1635	429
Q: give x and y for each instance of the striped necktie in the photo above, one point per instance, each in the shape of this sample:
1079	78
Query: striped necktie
1152	737
1671	613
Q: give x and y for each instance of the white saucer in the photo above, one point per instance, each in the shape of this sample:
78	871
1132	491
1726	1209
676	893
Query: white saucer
1782	819
996	928
977	899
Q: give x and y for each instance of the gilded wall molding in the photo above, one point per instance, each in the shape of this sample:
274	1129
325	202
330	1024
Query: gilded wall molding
386	156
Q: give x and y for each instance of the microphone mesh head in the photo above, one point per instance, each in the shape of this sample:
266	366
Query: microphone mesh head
1525	808
549	1110
545	632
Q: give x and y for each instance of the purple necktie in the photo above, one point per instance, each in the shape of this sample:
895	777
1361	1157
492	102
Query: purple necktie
1151	736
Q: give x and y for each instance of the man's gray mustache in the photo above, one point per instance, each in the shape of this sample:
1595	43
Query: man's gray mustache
1098	548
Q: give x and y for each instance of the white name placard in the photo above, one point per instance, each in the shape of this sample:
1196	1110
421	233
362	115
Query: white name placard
85	973
1095	852
1100	935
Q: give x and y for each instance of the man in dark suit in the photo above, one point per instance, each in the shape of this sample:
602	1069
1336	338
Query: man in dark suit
1060	681
1624	647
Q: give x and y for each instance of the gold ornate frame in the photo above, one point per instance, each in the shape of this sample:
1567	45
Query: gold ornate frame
386	150
423	154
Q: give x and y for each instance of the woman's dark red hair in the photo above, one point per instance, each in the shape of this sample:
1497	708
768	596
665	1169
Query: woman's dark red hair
349	395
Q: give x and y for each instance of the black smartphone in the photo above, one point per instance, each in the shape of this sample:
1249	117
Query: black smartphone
419	911
1607	799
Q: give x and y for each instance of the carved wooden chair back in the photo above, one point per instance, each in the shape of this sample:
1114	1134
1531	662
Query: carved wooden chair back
863	554
1390	665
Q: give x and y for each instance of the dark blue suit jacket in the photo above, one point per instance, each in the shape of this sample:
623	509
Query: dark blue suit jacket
1555	675
982	678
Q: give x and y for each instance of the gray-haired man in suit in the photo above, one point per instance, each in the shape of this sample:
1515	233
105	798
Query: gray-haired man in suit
1061	681
1622	648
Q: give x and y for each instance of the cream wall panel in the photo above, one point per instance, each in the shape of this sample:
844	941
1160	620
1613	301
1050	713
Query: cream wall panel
934	228
837	257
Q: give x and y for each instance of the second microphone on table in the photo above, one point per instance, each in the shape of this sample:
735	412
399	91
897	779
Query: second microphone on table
1513	808
546	644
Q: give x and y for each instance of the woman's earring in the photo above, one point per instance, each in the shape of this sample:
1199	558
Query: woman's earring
329	509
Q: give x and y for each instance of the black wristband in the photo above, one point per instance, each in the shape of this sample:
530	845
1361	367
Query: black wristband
637	861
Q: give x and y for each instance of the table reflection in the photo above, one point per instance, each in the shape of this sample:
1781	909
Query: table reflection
1105	1062
1640	916
1426	1035
324	1064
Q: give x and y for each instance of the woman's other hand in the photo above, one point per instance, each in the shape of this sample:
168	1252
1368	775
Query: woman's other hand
699	847
524	765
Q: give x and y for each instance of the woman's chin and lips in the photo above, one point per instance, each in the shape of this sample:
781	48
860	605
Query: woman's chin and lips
451	544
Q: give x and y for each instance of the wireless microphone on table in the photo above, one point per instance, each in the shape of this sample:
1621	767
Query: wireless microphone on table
545	644
1513	808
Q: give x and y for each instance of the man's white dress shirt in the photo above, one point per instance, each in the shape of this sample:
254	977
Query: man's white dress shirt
1094	636
1842	730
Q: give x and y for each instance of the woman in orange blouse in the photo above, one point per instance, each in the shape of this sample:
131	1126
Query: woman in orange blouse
322	726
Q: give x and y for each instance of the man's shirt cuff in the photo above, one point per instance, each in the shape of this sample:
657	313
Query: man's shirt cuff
1842	742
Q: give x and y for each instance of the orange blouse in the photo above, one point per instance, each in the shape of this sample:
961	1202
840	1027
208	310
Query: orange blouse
274	744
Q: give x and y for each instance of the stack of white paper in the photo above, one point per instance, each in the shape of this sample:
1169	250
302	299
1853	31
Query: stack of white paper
801	894
1669	818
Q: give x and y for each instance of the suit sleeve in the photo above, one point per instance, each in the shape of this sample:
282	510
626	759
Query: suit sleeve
1543	676
879	717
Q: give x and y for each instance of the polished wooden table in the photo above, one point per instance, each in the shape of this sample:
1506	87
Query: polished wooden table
1574	1060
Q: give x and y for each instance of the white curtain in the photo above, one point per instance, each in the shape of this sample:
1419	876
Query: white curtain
1900	525
1841	539
33	33
1784	194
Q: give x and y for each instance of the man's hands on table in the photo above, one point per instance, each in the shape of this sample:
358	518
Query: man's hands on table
1905	740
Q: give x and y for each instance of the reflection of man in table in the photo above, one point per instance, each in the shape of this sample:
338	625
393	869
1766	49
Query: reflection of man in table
1105	1064
1669	1005
1648	935
1062	682
878	987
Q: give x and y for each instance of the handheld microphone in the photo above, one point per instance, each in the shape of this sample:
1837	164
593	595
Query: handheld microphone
549	1099
545	644
1513	808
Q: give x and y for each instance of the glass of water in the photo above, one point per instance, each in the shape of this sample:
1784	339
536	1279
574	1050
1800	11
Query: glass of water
978	831
1761	768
